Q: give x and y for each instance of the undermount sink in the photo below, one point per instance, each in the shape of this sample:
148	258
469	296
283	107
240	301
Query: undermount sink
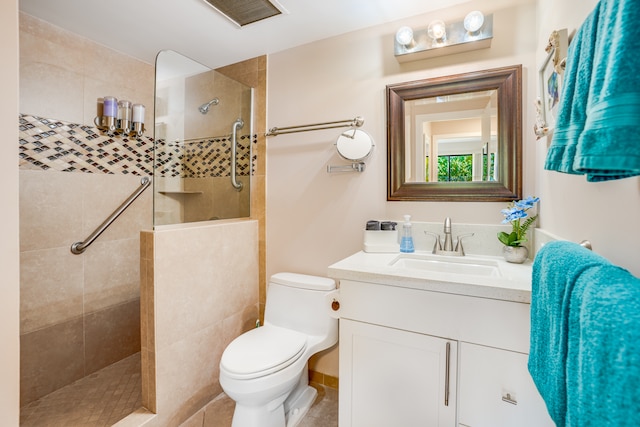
441	264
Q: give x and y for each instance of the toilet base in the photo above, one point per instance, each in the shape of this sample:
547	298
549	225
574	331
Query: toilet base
300	406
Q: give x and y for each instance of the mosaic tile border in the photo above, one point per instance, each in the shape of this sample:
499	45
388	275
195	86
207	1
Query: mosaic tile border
204	158
49	144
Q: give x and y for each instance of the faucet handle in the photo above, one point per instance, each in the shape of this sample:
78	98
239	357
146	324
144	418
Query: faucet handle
459	247
437	245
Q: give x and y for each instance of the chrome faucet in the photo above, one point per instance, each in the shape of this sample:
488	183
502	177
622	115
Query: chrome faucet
447	248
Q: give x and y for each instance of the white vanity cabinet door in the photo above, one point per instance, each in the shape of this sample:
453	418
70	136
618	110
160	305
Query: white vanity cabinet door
391	377
496	390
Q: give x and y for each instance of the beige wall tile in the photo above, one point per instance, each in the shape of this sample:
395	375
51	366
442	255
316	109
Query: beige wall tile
51	288
49	359
111	273
51	71
50	209
103	194
218	263
111	335
187	375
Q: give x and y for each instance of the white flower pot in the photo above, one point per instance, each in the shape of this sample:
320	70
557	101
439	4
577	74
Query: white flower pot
515	254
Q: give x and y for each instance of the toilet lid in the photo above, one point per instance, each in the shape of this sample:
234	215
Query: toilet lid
262	351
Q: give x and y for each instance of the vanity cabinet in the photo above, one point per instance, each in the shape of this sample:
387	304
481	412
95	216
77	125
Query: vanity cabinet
497	390
395	377
394	366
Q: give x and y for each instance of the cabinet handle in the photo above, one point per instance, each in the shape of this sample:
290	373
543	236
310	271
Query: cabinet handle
446	375
509	399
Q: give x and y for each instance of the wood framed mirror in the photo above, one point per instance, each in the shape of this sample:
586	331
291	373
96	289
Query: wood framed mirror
456	138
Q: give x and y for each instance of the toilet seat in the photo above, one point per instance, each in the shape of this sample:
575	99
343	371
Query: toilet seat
261	352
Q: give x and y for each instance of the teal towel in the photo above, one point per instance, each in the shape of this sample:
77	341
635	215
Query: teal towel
609	145
585	337
572	111
600	105
556	268
603	363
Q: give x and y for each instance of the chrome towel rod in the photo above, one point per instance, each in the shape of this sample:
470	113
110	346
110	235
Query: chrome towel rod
79	247
356	122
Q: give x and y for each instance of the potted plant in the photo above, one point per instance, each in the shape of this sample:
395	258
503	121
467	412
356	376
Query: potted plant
516	214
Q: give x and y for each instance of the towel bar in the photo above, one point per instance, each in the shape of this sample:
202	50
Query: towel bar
586	244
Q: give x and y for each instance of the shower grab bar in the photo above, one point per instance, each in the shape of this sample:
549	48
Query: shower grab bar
356	122
234	153
79	247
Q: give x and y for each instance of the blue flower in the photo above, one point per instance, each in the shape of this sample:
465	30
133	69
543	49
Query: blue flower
527	203
512	215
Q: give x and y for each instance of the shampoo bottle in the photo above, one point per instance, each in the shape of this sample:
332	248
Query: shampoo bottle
406	243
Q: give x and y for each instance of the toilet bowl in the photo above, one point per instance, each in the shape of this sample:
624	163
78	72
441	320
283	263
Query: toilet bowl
265	370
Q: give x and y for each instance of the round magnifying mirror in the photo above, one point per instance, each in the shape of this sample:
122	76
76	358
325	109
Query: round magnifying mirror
354	145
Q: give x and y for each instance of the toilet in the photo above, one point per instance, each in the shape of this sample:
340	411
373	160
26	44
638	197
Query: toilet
265	370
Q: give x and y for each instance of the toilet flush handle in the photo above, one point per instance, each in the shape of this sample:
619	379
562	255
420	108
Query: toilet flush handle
333	300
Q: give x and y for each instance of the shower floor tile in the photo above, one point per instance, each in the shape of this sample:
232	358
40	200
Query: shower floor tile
100	399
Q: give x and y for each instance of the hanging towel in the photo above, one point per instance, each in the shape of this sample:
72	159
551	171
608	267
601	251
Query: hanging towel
599	110
603	363
609	146
556	268
572	111
585	338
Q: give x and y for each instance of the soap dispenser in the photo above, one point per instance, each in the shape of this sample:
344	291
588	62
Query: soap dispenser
406	243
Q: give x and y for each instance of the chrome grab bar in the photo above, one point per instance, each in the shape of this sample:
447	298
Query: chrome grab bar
79	247
238	124
356	122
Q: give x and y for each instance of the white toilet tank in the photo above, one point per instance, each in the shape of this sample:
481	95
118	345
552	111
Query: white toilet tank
300	302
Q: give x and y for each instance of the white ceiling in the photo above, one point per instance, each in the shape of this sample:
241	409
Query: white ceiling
142	28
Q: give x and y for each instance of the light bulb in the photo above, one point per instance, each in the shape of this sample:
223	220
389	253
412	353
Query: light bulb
437	30
473	21
404	36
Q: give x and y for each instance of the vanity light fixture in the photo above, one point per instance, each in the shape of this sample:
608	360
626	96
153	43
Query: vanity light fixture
474	32
437	31
473	21
404	36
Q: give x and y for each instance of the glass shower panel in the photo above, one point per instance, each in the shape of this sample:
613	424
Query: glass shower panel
196	111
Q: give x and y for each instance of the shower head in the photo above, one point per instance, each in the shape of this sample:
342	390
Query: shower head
204	108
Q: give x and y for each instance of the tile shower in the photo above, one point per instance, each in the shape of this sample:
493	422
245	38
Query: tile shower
72	177
79	313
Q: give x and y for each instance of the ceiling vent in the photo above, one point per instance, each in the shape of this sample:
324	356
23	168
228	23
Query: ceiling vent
244	12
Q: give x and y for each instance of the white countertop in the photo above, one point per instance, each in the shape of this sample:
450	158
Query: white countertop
513	283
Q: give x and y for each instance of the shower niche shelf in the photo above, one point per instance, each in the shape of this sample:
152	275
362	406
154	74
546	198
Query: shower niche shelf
171	192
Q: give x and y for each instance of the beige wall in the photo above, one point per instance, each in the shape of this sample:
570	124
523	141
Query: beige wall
315	218
79	313
9	244
605	213
199	293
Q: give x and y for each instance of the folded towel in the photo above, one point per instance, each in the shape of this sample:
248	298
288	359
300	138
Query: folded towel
609	145
585	337
603	361
600	103
556	268
572	110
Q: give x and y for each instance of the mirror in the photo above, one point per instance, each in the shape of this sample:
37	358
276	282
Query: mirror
456	138
354	145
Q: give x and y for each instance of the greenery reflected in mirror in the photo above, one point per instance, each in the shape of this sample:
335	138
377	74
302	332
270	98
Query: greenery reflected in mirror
456	137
